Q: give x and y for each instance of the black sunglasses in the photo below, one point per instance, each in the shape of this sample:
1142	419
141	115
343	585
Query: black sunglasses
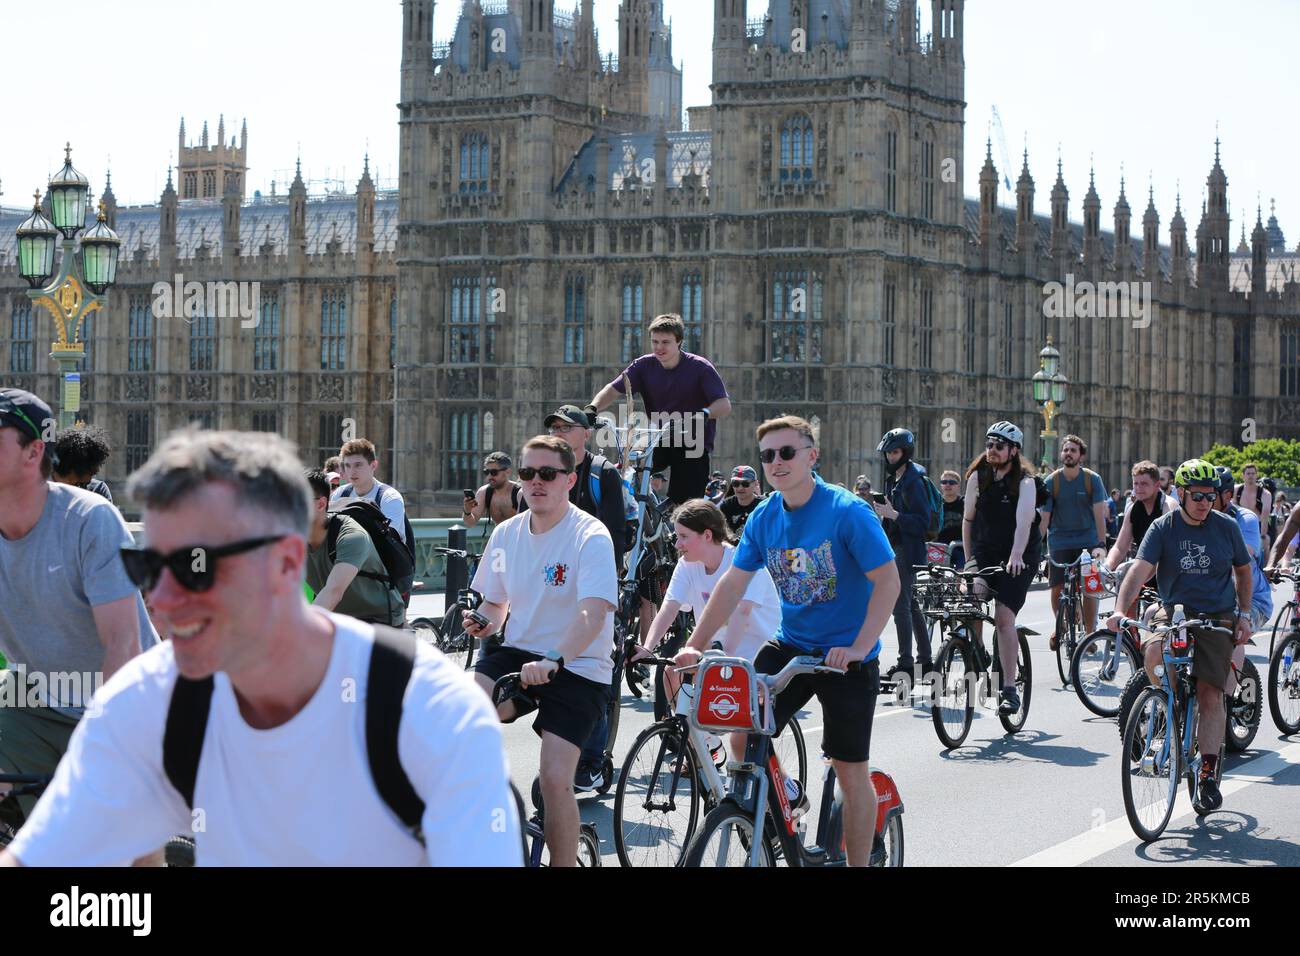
740	484
947	481
996	445
768	455
1203	495
546	471
493	472
194	567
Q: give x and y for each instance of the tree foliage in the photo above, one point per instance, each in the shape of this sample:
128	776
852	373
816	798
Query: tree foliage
1277	458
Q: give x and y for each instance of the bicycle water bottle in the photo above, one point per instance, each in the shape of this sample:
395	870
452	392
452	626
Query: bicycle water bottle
1091	577
1179	638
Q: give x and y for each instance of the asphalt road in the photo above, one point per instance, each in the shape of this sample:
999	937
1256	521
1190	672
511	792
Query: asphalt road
1050	795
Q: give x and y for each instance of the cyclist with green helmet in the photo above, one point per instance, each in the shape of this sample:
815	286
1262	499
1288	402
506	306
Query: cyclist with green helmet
1200	560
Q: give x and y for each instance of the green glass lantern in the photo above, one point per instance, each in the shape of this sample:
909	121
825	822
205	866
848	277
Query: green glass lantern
36	240
1042	383
68	192
1058	388
100	247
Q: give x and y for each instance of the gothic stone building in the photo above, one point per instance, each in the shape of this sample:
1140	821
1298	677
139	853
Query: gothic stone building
321	348
545	179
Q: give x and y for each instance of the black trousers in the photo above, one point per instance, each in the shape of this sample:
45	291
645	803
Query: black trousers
688	476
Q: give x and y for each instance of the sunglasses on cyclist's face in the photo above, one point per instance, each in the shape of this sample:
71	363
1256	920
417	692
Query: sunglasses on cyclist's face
493	472
947	481
144	565
996	445
787	452
740	484
546	472
1210	496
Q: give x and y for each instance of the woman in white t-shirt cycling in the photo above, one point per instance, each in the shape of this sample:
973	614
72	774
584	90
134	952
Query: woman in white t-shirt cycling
706	546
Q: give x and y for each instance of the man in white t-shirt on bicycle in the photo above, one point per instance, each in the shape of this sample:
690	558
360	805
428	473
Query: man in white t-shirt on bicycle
552	568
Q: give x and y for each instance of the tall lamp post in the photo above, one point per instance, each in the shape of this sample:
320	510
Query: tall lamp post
82	281
1049	392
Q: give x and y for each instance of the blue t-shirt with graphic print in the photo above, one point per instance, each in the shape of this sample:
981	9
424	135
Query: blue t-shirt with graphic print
818	556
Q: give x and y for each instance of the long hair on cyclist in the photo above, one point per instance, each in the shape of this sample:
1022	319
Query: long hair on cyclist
1020	468
701	515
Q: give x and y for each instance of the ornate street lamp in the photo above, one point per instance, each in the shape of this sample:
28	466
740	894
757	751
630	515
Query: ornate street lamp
1049	393
81	283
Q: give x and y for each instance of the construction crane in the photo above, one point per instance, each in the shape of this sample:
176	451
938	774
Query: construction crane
1002	148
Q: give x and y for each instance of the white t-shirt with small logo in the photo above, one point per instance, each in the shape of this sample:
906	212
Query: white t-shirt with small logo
543	577
691	587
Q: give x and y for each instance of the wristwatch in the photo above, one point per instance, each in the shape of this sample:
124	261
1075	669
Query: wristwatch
555	658
1245	614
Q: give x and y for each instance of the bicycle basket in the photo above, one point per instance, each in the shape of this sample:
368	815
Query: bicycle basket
727	696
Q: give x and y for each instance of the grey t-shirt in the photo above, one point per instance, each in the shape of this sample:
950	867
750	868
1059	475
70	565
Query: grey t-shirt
365	598
1073	524
1194	562
49	581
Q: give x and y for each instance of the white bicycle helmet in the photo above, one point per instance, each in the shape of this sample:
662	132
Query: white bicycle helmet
1007	432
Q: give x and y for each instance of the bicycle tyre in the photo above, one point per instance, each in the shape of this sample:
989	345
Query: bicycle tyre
588	847
1134	749
1284	687
1014	723
800	748
673	642
1242	709
728	814
954	649
1283	623
1088	686
1132	691
893	838
1067	637
179	851
689	778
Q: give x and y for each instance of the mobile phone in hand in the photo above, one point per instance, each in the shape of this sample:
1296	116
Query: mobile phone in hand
878	497
478	619
469	492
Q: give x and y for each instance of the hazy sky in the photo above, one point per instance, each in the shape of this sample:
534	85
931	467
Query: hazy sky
1138	83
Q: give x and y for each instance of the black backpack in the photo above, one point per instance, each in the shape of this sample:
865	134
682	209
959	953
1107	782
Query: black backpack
409	544
396	557
392	660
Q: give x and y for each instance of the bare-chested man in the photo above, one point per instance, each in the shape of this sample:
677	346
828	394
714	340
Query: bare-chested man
499	499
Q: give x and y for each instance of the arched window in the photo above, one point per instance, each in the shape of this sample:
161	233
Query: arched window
631	318
692	305
575	319
796	150
333	330
891	169
266	337
392	331
795	328
20	335
474	163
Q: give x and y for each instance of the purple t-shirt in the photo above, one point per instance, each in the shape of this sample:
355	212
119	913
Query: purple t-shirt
690	386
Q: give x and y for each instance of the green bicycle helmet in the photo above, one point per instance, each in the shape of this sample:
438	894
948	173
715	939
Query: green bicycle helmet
1196	471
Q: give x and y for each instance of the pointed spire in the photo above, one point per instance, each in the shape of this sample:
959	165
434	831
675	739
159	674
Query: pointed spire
221	129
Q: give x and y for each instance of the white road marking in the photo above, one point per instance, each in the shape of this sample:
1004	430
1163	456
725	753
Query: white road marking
1117	832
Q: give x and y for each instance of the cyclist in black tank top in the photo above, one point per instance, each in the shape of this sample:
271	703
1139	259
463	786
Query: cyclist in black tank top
1148	504
1000	527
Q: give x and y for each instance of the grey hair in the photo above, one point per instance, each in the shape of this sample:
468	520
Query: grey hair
262	467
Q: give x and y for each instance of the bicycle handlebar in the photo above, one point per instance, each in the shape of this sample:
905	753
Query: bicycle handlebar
1076	562
1204	624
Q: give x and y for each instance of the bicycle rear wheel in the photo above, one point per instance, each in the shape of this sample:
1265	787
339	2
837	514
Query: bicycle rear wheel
1149	765
725	839
1281	626
657	800
792	753
1014	723
1284	684
953	705
1243	709
588	847
1098	679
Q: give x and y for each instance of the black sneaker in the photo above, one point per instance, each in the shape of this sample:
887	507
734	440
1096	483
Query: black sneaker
1208	797
1009	701
927	671
588	779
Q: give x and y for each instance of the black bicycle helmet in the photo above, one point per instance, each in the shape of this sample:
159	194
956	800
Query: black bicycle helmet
1226	481
898	438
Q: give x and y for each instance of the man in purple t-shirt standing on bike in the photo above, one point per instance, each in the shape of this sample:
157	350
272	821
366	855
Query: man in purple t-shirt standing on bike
676	383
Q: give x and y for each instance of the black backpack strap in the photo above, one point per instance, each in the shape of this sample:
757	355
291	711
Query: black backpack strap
332	526
392	660
187	724
514	496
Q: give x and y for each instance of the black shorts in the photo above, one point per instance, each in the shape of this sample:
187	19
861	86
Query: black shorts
1010	591
568	706
848	701
1055	575
687	476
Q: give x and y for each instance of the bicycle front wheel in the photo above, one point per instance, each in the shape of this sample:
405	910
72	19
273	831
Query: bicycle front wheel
792	753
588	847
1150	765
1281	626
892	836
1098	676
1067	636
657	802
953	705
1284	684
1014	723
725	839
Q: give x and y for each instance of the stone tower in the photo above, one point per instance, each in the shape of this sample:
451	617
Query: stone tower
212	170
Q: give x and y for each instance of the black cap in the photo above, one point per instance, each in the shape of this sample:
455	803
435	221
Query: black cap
24	411
570	414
